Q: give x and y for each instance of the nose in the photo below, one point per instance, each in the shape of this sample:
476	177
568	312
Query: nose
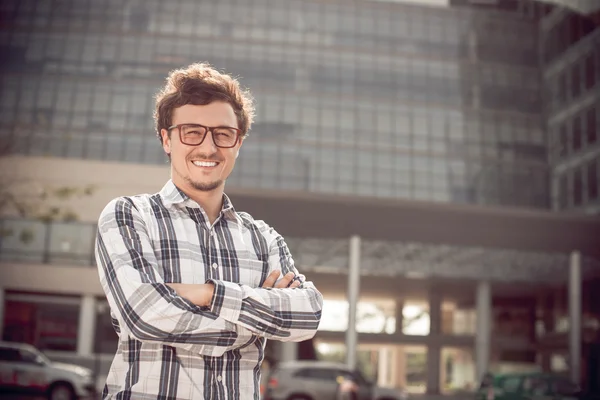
208	145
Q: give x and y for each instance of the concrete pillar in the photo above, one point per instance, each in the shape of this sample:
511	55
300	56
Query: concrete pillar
384	368
443	363
87	326
433	368
483	331
399	367
399	316
288	351
575	317
435	313
2	301
434	350
353	294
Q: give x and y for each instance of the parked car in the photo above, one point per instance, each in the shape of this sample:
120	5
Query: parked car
319	380
528	386
24	370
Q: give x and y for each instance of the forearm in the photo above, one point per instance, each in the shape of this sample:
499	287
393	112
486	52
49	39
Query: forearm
198	294
279	314
171	320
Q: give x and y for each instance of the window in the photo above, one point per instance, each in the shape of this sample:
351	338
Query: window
575	81
577	187
562	88
511	384
536	386
592	180
563	141
9	354
590	72
574	22
591	125
323	374
563	190
31	357
576	133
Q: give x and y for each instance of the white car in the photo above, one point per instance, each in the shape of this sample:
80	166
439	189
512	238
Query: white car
320	380
25	370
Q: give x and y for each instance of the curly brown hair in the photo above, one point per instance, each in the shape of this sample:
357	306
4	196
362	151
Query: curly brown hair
201	84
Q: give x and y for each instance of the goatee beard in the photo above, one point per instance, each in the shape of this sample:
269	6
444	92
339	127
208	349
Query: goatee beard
205	187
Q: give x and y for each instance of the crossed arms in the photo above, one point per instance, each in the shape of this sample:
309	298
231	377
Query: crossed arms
207	319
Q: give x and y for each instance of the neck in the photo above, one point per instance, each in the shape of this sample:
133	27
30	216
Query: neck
210	201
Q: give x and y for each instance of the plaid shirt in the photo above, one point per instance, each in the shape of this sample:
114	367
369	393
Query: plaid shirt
170	348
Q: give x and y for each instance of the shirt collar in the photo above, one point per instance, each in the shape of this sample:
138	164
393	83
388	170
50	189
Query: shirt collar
172	195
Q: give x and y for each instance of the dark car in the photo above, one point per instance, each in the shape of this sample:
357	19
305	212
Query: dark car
527	386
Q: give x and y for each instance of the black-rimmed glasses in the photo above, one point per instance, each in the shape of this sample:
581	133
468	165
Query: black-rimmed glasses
194	134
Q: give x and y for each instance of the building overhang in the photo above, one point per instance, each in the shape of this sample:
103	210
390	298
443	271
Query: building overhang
584	7
303	214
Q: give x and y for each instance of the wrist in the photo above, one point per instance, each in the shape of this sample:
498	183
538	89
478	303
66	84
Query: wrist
207	294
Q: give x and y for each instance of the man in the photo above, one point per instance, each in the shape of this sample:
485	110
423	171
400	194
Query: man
195	287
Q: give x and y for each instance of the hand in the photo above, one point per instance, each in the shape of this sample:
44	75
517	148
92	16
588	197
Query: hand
271	281
200	294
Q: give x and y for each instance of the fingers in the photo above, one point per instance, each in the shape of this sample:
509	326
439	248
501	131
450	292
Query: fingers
295	284
287	281
270	281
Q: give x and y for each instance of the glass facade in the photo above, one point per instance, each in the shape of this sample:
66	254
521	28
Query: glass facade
571	70
354	98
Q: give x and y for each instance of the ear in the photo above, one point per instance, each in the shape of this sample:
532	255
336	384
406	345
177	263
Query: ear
237	153
166	141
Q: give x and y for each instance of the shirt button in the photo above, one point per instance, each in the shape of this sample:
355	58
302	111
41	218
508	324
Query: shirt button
215	266
219	378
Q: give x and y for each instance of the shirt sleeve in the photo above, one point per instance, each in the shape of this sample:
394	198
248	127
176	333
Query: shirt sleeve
144	306
275	313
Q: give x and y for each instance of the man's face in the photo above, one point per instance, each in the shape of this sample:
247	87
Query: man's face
204	167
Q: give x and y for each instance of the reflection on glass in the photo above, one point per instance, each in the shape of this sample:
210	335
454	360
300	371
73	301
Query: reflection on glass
392	366
457	370
371	317
415	319
458	320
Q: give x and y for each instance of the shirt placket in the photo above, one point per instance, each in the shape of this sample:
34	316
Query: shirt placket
212	249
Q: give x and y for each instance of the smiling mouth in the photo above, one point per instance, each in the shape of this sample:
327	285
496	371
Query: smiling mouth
205	163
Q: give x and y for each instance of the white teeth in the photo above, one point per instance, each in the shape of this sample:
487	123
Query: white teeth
205	163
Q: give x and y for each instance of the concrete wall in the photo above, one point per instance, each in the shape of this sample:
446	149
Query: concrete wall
29	175
50	279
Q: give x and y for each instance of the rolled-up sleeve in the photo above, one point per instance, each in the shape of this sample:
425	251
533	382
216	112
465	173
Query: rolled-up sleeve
279	314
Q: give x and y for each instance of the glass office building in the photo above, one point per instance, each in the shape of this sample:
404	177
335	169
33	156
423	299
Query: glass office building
494	104
571	76
356	98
